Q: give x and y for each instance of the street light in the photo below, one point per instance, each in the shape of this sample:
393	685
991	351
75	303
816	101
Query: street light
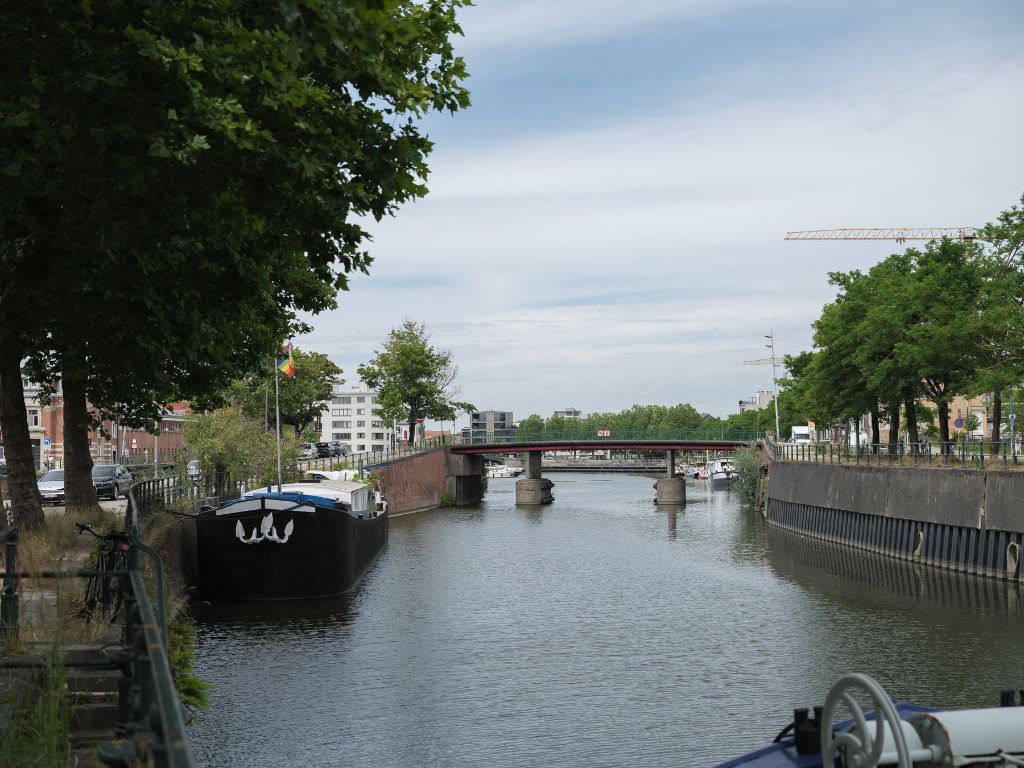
775	386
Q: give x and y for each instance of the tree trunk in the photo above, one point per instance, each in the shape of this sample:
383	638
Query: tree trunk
894	427
876	435
79	494
997	417
943	407
910	407
26	506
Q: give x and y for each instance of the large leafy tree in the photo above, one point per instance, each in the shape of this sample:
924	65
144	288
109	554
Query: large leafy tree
302	398
413	379
192	174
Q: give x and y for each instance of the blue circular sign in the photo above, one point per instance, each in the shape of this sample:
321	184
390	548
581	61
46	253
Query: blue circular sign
46	441
959	423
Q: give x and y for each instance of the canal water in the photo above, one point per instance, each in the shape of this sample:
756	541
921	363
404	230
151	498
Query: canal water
600	630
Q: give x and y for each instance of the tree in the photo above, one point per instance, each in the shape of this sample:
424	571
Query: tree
413	379
228	440
530	429
216	158
302	398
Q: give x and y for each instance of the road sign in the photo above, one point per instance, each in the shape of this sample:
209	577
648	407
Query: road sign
959	423
604	433
46	442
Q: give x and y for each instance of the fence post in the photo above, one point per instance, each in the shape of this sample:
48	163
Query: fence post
9	595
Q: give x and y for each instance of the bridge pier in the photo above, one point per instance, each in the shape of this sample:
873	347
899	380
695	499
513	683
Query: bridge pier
533	489
670	489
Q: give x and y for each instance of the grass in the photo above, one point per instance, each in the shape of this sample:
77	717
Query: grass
48	607
35	732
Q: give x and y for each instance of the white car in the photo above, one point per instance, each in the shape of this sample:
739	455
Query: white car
51	486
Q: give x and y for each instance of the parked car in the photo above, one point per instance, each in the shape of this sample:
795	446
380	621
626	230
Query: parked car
308	451
339	448
51	487
112	480
192	470
323	450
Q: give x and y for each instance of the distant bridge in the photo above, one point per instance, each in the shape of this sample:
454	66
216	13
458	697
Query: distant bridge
534	489
603	444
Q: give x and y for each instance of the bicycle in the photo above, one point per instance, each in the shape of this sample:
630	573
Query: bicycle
109	579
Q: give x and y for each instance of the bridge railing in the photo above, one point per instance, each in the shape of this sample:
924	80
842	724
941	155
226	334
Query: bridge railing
979	454
618	435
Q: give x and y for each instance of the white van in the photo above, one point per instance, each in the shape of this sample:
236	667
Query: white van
801	434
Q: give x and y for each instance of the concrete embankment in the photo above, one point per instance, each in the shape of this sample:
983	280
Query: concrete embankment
965	520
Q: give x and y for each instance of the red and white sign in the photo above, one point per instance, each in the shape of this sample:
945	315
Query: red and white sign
604	433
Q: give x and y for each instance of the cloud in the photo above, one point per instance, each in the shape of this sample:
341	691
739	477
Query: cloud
634	253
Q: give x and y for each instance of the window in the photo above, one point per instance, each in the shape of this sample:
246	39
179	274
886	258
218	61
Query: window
361	448
343	400
33	417
341	424
361	423
361	435
377	423
341	436
373	399
377	436
360	399
360	411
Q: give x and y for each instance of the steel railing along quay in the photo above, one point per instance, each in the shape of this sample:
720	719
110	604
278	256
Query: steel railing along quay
979	454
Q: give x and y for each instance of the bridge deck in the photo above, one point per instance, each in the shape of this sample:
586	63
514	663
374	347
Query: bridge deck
601	445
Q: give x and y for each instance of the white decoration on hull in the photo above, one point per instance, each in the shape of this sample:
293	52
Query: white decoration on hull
264	532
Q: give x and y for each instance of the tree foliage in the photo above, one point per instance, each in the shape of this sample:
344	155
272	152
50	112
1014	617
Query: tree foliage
926	324
192	175
228	440
413	379
302	398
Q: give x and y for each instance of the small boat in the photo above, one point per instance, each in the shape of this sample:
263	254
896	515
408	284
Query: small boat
721	473
892	733
299	541
503	470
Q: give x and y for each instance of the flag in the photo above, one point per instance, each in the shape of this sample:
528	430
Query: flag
285	364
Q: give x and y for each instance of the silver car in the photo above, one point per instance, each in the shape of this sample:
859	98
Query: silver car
51	486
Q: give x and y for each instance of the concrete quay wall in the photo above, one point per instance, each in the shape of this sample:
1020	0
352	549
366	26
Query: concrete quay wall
427	480
967	520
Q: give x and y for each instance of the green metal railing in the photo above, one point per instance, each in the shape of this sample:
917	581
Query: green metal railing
979	454
150	728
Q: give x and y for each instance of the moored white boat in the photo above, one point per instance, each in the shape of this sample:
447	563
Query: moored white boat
503	470
721	472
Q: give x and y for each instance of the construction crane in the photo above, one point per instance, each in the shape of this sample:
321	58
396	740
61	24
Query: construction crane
765	361
899	234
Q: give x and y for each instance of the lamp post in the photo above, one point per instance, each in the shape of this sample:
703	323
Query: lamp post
775	386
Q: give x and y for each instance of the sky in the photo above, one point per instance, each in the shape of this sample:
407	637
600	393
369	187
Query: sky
605	223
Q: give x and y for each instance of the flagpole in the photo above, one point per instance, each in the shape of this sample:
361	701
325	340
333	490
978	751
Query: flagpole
277	413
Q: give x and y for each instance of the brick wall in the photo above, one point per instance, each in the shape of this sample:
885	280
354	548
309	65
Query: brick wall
420	481
415	482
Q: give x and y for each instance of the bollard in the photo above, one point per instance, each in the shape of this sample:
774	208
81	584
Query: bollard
9	594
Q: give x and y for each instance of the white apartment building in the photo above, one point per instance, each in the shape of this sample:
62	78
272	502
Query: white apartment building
350	417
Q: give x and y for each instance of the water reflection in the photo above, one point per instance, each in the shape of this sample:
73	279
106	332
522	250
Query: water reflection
671	513
857	574
600	629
